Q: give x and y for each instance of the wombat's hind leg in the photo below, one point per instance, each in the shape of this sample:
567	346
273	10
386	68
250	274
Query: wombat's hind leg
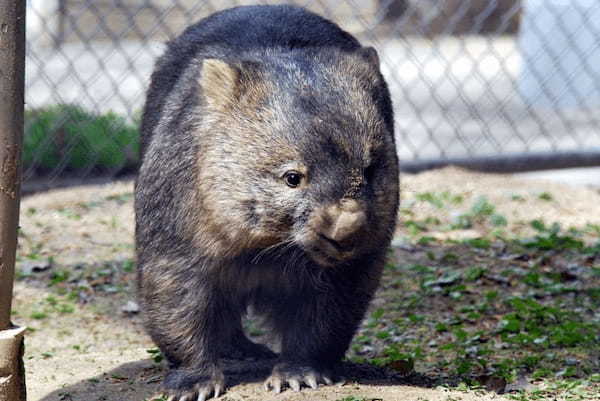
192	385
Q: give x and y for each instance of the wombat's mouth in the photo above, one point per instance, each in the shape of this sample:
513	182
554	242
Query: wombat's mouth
328	252
334	244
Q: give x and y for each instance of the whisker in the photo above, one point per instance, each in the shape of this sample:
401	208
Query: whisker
285	249
272	248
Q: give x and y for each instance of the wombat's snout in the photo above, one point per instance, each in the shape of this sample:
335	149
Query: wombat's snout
338	227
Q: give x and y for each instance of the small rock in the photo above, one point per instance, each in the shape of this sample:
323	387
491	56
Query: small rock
35	266
572	272
498	278
154	379
403	244
84	297
494	383
83	284
403	367
571	361
131	307
445	280
516	256
521	384
110	289
366	349
472	350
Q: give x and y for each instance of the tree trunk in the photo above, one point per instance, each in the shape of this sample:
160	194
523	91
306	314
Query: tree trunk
12	75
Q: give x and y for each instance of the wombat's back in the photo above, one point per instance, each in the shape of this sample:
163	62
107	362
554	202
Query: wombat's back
241	33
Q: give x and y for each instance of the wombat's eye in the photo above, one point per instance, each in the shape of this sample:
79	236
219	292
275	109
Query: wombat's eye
292	178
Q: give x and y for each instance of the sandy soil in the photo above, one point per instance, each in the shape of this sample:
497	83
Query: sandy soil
82	346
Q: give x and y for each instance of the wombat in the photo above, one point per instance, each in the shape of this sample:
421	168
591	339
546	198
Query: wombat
269	180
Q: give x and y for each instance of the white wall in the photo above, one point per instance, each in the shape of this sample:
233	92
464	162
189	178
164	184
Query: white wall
560	49
42	21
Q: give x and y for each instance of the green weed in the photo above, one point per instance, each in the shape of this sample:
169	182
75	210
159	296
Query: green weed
69	135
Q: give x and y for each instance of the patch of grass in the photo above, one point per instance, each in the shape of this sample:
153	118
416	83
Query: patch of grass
69	214
534	324
51	306
551	238
492	309
474	273
59	277
481	212
38	315
498	220
545	196
121	198
482	243
561	389
77	139
482	207
128	266
155	355
439	200
65	308
425	240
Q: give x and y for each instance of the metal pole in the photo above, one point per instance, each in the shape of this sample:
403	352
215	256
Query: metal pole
12	80
509	163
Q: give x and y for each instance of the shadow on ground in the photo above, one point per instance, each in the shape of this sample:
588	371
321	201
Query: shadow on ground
140	380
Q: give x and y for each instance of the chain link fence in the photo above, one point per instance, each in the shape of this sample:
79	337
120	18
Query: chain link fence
498	85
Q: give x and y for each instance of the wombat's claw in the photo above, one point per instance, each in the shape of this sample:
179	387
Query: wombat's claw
295	377
200	392
311	381
273	382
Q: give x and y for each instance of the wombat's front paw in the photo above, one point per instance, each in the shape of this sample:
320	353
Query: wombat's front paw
192	385
294	376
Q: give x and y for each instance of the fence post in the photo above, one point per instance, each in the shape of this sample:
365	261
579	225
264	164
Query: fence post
392	9
12	80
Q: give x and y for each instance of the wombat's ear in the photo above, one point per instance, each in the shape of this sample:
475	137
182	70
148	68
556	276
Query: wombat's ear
220	82
370	55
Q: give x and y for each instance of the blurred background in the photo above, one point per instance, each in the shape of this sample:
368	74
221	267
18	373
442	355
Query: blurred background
496	85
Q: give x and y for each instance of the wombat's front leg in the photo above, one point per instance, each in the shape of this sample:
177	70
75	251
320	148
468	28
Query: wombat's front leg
188	320
316	332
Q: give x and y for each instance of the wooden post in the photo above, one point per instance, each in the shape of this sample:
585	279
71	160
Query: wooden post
12	81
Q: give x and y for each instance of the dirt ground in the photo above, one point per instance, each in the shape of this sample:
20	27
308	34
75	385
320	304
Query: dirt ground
85	341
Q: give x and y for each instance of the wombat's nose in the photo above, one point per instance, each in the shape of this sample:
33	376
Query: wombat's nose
345	219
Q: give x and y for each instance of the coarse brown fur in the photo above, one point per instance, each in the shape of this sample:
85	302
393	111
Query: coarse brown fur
269	180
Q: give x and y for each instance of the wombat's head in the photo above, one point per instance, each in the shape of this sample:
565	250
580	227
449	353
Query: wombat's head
297	151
